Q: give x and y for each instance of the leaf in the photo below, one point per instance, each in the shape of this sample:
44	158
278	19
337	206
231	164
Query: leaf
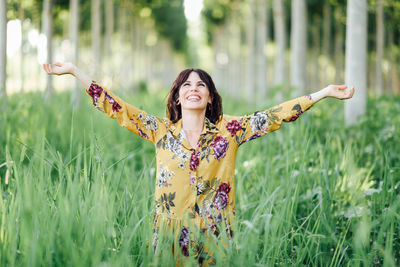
297	107
172	196
171	203
276	109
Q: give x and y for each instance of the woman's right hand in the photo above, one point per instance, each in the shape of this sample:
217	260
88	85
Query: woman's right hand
59	68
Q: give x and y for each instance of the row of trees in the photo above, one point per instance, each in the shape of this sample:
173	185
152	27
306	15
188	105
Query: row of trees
256	45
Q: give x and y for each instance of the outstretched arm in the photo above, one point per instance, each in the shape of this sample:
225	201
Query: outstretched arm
130	117
252	126
335	91
68	68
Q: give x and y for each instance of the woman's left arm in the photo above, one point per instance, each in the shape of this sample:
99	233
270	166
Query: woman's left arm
335	91
255	125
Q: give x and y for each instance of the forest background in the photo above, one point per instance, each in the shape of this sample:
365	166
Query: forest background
78	190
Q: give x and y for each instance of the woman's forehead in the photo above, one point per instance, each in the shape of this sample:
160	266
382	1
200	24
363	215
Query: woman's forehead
194	77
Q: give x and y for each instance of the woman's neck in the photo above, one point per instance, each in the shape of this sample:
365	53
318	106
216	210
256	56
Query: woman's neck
193	121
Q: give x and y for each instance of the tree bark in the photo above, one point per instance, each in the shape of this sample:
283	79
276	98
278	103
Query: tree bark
389	84
261	42
96	36
47	27
379	48
250	40
280	42
298	45
74	37
109	26
356	55
234	53
326	42
339	48
21	17
3	53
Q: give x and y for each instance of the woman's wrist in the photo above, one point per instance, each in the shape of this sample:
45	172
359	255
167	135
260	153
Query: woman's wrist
321	94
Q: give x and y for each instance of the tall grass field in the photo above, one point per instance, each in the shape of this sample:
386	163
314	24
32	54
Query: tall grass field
77	189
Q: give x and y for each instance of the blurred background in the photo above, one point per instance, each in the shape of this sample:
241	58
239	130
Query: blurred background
250	47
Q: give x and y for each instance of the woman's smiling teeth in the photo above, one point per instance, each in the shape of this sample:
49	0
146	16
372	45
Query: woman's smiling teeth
193	98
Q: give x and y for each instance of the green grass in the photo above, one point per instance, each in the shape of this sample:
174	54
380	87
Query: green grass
80	188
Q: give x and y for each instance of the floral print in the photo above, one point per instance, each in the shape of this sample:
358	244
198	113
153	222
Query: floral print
221	198
95	92
259	122
233	126
184	241
194	160
164	175
220	145
196	183
148	121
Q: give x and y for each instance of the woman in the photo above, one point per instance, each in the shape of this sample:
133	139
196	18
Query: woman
196	148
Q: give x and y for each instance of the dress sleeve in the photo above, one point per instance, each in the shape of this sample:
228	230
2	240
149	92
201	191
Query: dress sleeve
135	120
250	127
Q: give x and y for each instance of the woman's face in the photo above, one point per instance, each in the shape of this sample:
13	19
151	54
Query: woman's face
194	94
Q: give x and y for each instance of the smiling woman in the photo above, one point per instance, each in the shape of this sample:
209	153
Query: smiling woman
196	148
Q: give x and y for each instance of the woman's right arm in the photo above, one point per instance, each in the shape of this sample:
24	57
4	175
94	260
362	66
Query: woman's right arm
130	117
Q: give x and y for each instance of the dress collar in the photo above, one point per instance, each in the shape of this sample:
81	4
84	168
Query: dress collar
209	127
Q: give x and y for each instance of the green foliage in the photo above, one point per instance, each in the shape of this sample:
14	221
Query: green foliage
215	14
170	22
80	188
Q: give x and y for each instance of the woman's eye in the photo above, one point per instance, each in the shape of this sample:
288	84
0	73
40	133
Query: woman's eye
201	84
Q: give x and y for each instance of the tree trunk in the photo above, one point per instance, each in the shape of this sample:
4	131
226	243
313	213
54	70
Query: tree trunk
379	47
21	17
3	52
356	55
96	37
234	53
74	37
47	27
326	43
338	48
250	40
109	26
261	42
280	42
389	84
298	45
314	75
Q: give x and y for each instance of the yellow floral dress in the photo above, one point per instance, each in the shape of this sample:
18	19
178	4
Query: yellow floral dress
195	187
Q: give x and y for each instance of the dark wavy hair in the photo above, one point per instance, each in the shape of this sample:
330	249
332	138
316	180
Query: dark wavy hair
213	111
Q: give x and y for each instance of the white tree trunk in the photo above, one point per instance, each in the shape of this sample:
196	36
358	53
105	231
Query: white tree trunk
261	42
74	37
389	87
3	52
234	53
96	36
379	47
280	42
21	17
47	27
250	40
298	45
356	55
338	49
326	43
109	26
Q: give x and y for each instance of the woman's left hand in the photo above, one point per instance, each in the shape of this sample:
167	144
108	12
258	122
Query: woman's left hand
337	91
